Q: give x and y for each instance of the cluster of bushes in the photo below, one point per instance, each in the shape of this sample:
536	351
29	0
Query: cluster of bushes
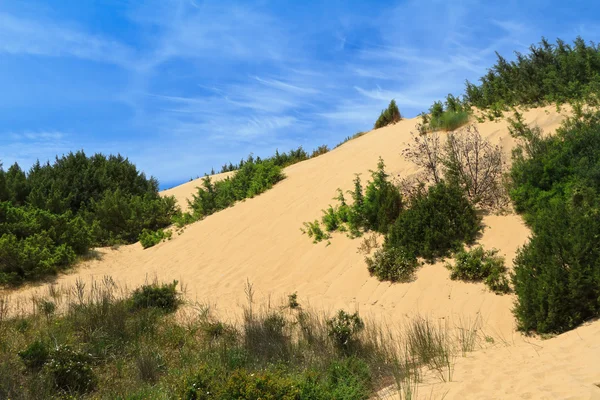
556	185
455	114
104	346
481	265
549	73
373	208
431	222
280	159
390	115
56	212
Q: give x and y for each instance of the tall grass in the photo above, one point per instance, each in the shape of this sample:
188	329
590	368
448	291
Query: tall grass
122	348
449	121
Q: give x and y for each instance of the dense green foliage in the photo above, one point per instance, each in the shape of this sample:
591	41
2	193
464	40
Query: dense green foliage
438	221
548	73
101	346
56	212
252	179
556	184
481	265
390	115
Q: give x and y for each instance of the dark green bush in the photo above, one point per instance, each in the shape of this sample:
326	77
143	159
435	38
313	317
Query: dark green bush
35	355
481	265
164	297
344	327
392	264
391	115
556	183
382	202
70	371
438	221
58	211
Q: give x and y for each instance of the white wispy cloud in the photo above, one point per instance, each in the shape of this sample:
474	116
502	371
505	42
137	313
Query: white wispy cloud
25	36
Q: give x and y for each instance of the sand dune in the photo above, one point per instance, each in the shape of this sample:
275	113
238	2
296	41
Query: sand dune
259	240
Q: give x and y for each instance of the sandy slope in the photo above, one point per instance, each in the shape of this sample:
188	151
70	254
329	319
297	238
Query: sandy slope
259	240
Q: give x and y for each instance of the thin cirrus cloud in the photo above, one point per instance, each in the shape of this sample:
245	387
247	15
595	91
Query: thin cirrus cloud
191	85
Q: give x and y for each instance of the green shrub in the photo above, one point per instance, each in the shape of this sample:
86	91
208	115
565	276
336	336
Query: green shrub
391	115
164	297
382	202
555	184
437	222
349	379
70	371
313	230
149	238
481	265
343	328
392	264
258	386
35	355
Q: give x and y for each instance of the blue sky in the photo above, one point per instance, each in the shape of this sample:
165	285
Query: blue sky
182	86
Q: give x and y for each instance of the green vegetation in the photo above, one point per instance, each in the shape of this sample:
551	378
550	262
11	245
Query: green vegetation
103	346
392	264
438	221
375	208
549	73
481	265
555	185
252	179
279	159
434	223
455	114
149	238
57	212
390	115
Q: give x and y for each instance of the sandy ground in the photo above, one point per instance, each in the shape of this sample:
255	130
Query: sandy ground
259	241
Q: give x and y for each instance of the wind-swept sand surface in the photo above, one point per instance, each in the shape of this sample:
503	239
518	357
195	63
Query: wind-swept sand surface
259	240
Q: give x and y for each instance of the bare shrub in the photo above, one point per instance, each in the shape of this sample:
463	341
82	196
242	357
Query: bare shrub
466	159
425	151
477	165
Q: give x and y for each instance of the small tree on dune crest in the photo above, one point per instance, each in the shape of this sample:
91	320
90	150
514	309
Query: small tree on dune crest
391	115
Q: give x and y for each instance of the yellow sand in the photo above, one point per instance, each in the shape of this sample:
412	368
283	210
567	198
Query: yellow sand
259	240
